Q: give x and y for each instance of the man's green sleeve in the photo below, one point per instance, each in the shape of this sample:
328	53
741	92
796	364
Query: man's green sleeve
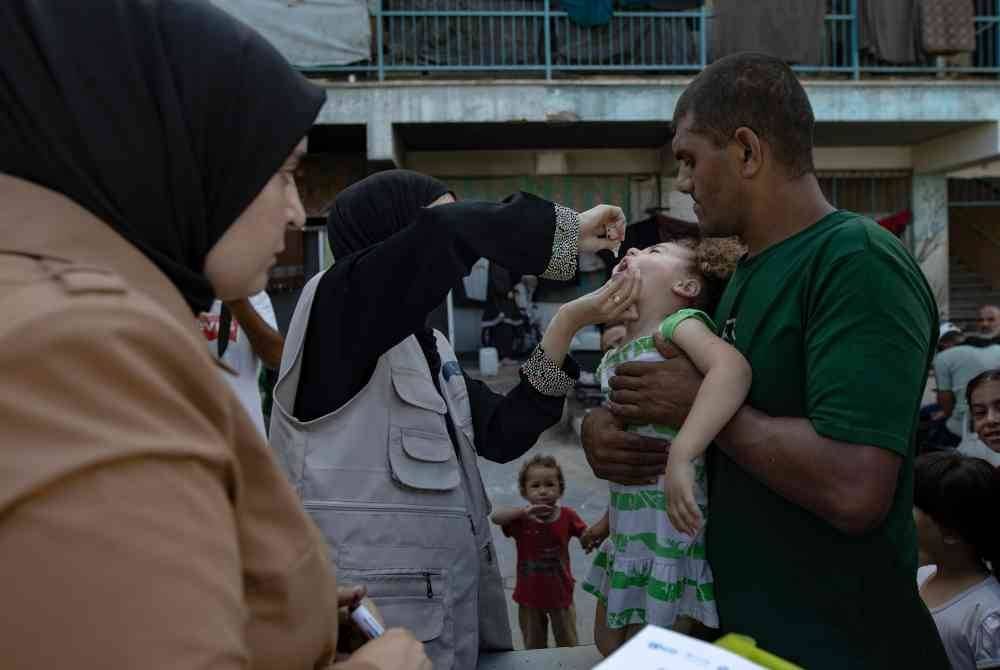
868	340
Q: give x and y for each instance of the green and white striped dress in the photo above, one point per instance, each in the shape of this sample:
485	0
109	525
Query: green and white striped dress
647	571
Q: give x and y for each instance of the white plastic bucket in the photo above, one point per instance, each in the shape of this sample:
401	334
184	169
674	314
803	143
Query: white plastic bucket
489	362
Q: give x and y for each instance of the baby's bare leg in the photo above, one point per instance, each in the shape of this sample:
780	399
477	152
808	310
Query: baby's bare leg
696	629
606	639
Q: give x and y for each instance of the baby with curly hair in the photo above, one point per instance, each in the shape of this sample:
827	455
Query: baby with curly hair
652	568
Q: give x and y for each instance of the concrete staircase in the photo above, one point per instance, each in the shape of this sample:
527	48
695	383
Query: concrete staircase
967	292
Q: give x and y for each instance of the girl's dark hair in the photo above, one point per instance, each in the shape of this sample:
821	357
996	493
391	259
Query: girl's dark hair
977	381
541	462
962	494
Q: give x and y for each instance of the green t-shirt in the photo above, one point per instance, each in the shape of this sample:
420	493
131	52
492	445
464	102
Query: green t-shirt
839	326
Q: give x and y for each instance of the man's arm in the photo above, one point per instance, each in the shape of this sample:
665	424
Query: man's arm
852	490
852	486
618	455
266	341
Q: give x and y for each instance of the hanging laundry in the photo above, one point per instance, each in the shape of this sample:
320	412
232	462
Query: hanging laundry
888	30
318	32
653	42
432	40
588	13
947	26
791	30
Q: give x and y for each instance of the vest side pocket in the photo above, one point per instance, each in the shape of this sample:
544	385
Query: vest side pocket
415	599
422	460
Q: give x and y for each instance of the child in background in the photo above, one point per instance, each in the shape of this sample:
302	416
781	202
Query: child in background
955	504
653	569
983	398
542	531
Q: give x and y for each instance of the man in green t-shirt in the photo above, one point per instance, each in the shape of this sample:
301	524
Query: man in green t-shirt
811	537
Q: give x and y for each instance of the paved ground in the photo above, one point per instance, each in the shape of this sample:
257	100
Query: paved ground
583	657
584	493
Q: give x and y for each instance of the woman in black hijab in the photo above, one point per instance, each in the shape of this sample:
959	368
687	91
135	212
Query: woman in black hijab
377	425
147	159
396	258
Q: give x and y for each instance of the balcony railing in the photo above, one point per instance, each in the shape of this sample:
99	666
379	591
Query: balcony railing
529	38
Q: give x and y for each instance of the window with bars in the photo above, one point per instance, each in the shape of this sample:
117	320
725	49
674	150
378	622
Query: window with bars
876	195
973	192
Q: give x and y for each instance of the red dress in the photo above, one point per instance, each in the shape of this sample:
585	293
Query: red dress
544	579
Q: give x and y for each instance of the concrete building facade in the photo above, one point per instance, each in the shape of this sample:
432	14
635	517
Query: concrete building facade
888	139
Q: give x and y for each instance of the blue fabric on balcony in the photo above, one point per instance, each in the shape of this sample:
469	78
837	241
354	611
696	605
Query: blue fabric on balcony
588	13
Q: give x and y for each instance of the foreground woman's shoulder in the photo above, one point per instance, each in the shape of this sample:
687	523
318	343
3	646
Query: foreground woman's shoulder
96	372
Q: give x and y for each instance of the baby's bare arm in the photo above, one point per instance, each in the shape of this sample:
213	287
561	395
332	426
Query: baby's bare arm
722	392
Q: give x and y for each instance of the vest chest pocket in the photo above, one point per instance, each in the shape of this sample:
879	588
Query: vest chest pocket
421	455
420	406
416	389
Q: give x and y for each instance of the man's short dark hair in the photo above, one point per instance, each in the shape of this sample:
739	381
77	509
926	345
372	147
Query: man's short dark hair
757	91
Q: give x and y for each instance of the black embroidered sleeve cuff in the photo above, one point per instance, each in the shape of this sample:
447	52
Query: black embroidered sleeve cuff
565	245
545	376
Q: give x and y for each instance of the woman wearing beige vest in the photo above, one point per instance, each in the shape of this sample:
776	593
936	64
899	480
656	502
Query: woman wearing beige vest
378	427
147	160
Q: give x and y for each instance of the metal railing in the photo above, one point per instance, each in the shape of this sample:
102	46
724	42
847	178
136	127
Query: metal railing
527	37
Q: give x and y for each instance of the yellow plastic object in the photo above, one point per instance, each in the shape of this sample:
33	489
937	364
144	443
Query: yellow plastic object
744	646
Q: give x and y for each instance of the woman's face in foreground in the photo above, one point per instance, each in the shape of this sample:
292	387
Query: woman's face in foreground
238	264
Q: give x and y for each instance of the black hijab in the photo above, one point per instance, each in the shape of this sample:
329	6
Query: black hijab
377	207
164	118
364	216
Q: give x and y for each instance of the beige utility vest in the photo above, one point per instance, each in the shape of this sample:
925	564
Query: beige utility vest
401	505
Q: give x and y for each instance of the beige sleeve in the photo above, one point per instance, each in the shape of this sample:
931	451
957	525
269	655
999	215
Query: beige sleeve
130	565
143	523
117	534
